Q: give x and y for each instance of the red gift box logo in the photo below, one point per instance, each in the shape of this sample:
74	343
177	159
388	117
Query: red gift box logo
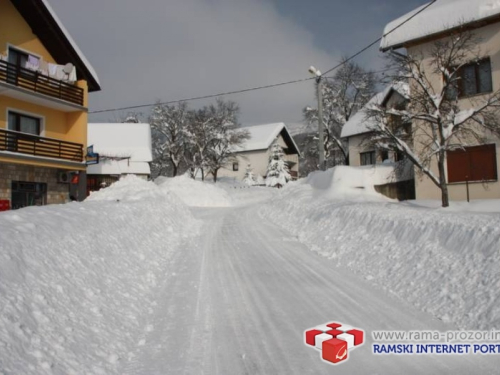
334	340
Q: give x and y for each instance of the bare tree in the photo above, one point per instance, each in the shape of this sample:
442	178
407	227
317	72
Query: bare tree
213	137
343	95
437	82
169	124
228	137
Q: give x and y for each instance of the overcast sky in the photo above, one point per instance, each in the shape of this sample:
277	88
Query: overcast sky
150	50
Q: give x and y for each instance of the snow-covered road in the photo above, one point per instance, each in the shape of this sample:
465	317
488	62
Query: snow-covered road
238	299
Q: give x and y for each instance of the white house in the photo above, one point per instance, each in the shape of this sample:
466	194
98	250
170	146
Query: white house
255	151
123	148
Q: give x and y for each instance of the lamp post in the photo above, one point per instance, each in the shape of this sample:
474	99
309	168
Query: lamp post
321	131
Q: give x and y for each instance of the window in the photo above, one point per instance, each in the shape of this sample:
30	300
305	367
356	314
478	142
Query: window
235	167
18	58
24	124
384	155
367	158
26	194
478	163
474	78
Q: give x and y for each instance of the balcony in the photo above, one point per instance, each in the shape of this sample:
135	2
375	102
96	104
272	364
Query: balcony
28	144
16	81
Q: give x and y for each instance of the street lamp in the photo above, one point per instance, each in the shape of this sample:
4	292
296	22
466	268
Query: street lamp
321	132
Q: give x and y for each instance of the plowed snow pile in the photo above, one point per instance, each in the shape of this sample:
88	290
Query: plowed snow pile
77	281
195	193
444	261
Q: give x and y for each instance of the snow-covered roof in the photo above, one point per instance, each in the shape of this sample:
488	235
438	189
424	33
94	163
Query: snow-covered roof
119	167
72	42
262	136
360	123
121	140
441	16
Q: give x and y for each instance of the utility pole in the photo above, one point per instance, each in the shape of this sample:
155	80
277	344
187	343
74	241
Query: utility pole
321	130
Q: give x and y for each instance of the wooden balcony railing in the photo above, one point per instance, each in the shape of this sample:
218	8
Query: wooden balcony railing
39	146
37	82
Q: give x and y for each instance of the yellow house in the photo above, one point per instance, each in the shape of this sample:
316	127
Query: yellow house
473	170
44	85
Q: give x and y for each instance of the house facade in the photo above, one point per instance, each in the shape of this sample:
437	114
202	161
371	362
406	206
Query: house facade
474	169
123	149
363	153
44	84
358	129
255	152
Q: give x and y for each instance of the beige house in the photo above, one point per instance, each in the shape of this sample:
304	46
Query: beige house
357	130
478	164
363	153
255	152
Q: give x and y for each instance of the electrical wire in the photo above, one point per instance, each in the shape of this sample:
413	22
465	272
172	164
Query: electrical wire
275	84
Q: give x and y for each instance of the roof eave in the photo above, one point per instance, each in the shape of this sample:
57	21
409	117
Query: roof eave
43	24
441	34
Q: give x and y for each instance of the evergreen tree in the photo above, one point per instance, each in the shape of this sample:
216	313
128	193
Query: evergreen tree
277	170
250	178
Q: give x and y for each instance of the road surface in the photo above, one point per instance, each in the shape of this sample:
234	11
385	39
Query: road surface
238	299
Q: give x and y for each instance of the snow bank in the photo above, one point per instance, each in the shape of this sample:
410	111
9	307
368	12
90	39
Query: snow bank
128	188
443	261
194	193
358	182
77	281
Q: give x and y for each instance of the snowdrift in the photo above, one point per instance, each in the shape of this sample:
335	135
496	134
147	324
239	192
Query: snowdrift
350	181
194	193
442	261
77	281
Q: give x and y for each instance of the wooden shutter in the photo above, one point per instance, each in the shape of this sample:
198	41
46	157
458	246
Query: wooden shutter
477	163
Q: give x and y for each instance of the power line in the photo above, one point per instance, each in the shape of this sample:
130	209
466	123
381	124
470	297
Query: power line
275	84
207	96
379	39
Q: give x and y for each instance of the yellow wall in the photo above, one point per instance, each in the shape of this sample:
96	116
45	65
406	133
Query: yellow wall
67	126
15	30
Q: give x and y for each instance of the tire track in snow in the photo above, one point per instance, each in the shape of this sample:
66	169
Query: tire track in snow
243	296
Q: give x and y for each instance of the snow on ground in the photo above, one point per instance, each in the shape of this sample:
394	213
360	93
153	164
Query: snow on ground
77	281
443	261
195	193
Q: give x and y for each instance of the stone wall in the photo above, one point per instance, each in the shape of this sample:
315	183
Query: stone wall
56	192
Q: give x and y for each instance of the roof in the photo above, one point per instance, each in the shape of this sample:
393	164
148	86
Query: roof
441	16
49	29
262	136
360	123
119	167
121	140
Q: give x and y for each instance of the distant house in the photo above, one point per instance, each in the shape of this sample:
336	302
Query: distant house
255	151
123	149
476	166
362	152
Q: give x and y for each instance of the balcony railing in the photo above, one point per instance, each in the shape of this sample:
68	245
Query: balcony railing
39	146
37	82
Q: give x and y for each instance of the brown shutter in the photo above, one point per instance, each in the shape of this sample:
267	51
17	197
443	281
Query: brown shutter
477	163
